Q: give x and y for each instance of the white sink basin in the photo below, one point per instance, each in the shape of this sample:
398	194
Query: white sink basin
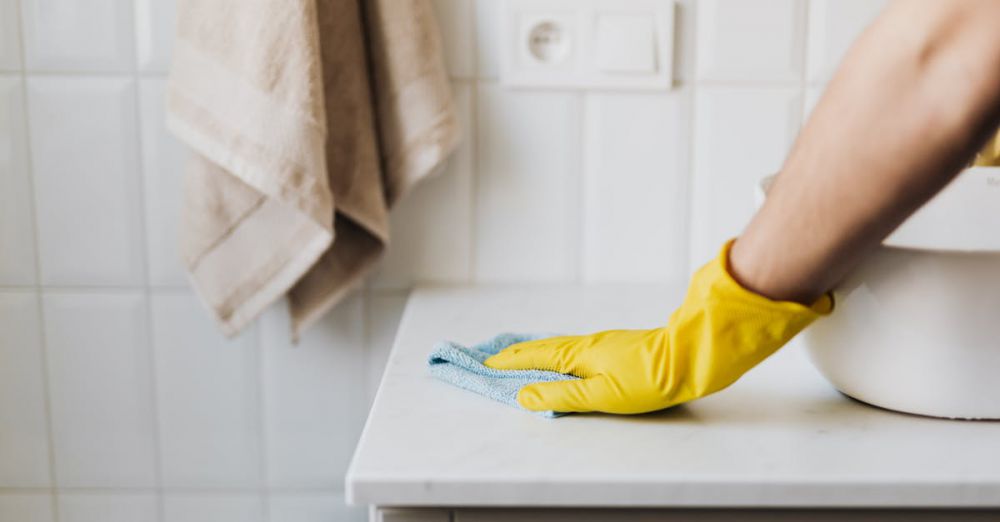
917	325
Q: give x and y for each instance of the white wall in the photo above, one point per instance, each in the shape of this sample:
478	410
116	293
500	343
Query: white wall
118	400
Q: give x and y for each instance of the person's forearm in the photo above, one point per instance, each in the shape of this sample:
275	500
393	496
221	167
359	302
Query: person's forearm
914	99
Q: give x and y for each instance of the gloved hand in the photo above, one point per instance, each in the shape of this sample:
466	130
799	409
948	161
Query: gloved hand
990	155
719	332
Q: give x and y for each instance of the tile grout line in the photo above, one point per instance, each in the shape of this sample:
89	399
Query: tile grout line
40	308
153	387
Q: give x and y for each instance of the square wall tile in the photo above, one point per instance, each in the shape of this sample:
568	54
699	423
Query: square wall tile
213	508
99	381
24	445
163	159
384	313
17	229
313	396
432	226
26	507
527	220
488	21
741	136
206	386
812	97
108	507
69	35
636	190
833	27
10	36
314	507
155	22
750	39
456	20
86	171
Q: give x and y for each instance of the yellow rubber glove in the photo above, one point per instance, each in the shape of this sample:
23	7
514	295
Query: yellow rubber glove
990	155
719	333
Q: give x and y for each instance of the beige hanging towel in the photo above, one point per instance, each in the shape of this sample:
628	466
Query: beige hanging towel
307	120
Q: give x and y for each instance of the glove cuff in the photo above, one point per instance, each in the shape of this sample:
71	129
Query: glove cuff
725	284
722	329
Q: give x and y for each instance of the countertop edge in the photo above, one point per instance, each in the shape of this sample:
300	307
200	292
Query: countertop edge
755	494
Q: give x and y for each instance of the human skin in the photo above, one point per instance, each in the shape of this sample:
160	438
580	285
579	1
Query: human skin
914	99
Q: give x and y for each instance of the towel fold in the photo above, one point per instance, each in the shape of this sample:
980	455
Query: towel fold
463	367
307	120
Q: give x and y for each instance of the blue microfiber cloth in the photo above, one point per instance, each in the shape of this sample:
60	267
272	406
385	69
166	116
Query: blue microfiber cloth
463	367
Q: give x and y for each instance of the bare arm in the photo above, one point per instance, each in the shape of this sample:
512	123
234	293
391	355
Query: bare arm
914	99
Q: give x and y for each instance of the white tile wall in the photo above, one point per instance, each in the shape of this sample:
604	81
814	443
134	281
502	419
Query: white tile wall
312	408
384	314
85	166
118	398
635	141
487	38
154	20
99	368
24	445
684	40
10	38
812	97
313	508
741	135
108	507
206	390
162	166
17	231
748	40
432	227
212	508
527	200
31	507
833	25
62	35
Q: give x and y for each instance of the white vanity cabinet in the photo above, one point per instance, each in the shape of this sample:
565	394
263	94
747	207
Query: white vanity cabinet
679	515
780	444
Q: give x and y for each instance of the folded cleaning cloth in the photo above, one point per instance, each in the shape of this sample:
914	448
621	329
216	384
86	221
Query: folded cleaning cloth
463	367
307	120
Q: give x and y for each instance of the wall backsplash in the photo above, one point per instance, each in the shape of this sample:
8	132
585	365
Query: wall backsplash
118	399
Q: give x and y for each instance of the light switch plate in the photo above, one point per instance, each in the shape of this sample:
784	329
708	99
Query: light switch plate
626	43
587	44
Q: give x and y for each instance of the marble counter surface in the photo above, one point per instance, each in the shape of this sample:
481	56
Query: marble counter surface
779	437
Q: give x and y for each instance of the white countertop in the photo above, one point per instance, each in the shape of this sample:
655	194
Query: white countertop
781	436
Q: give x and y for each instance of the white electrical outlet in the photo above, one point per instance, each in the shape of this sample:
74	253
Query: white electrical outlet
548	41
608	44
